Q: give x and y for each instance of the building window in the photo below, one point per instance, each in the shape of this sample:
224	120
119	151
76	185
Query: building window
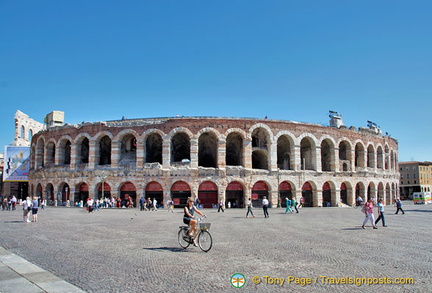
407	176
401	182
415	181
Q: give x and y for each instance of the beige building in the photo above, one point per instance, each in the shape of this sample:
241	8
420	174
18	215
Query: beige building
214	158
415	177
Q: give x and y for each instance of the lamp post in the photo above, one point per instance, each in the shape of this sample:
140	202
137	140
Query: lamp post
102	177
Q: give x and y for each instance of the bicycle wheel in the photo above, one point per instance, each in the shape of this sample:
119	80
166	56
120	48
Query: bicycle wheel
205	241
183	238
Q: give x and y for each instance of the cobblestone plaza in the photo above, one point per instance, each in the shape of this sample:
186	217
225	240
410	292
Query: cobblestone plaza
125	250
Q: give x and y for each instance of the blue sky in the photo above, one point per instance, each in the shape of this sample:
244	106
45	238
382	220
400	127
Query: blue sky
291	60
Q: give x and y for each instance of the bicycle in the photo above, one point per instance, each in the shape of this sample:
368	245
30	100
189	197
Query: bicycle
204	238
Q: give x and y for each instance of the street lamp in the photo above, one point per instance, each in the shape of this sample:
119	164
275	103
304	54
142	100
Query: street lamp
102	176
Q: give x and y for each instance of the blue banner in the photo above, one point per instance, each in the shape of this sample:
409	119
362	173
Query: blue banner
16	163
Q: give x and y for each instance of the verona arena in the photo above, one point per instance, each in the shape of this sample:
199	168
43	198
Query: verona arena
214	159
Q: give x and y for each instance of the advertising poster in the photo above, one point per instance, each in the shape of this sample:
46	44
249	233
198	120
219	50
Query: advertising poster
16	163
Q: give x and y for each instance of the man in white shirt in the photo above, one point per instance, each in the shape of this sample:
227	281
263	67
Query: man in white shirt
265	204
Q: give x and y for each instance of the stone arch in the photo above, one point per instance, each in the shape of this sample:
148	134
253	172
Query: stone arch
265	132
208	148
261	189
327	155
344	155
50	152
371	190
49	193
308	189
63	195
40	152
386	157
154	147
388	194
154	190
359	155
180	148
104	150
39	190
307	153
128	194
180	191
64	150
235	148
82	143
360	191
370	156
285	190
328	194
285	151
380	154
346	194
380	191
81	193
234	193
208	194
128	148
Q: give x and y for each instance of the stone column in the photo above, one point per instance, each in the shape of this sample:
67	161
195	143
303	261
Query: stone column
140	153
336	166
73	161
194	153
247	158
317	197
296	158
273	156
166	153
317	159
221	154
115	153
93	154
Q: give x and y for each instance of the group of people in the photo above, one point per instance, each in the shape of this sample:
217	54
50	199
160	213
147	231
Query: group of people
31	206
9	203
148	204
369	213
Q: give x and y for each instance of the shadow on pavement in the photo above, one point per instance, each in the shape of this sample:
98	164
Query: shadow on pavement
164	248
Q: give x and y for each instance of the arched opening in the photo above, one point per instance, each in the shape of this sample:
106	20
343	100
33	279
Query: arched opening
208	194
371	192
180	191
283	153
154	190
39	192
234	150
259	190
128	195
207	150
105	151
380	164
307	154
326	155
67	153
234	195
360	191
326	192
359	156
154	148
104	191
128	148
64	195
51	150
285	191
387	158
49	192
343	193
344	155
82	194
260	147
370	157
307	195
22	134
380	191
180	148
84	151
40	154
259	160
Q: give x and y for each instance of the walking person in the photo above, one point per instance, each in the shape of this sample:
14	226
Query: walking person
26	209
399	206
249	208
221	206
288	205
368	211
301	202
381	213
265	204
142	202
154	204
294	205
35	208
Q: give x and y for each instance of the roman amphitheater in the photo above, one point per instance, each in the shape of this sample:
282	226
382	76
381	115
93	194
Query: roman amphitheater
214	159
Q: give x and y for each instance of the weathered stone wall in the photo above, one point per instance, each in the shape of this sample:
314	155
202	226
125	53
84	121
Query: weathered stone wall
370	171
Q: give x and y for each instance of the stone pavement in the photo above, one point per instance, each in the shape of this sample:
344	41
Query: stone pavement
131	251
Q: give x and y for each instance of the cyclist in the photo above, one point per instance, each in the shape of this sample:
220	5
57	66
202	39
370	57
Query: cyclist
188	218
